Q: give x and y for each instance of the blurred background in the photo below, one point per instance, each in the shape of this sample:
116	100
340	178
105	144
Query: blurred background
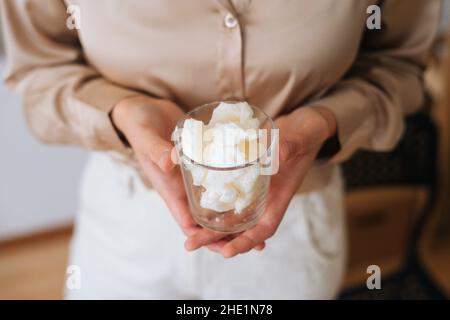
398	211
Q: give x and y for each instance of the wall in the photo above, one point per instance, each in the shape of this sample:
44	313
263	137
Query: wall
38	184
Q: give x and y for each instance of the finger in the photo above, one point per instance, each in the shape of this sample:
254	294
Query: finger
265	228
151	146
189	231
213	249
260	247
247	241
179	207
170	187
217	246
222	242
174	156
202	238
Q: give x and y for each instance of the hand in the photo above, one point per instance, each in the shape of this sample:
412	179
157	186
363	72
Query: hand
302	134
147	124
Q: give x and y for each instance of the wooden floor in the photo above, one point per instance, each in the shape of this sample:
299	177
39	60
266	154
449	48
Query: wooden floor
34	268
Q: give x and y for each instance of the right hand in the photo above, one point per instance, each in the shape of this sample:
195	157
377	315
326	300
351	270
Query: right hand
147	123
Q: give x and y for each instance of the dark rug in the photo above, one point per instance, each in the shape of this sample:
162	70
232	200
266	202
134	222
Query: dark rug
413	282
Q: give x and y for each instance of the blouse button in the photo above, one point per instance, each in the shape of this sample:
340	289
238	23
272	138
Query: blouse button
230	21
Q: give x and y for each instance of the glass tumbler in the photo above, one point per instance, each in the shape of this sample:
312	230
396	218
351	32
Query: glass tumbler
230	221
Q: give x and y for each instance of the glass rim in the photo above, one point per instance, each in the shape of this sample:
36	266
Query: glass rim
189	114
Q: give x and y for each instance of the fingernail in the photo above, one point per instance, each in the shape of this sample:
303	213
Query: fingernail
228	254
189	246
174	157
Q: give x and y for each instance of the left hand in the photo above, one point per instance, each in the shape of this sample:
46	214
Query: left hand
302	134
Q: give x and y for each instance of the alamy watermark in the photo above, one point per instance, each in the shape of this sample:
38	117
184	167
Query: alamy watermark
374	280
73	279
74	19
373	22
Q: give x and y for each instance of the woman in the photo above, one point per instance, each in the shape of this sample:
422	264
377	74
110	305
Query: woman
119	83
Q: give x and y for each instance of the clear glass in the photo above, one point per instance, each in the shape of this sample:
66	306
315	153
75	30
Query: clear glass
229	221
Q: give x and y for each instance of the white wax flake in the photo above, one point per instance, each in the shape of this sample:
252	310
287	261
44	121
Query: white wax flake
198	174
229	140
210	199
246	182
192	139
216	155
239	112
229	195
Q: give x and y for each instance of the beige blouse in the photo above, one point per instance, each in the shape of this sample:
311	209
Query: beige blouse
278	55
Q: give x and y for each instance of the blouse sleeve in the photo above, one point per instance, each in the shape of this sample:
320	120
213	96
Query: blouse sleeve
385	81
66	101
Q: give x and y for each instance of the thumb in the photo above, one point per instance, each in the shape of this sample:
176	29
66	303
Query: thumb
153	147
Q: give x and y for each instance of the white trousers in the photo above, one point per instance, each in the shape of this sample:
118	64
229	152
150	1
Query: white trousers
126	245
